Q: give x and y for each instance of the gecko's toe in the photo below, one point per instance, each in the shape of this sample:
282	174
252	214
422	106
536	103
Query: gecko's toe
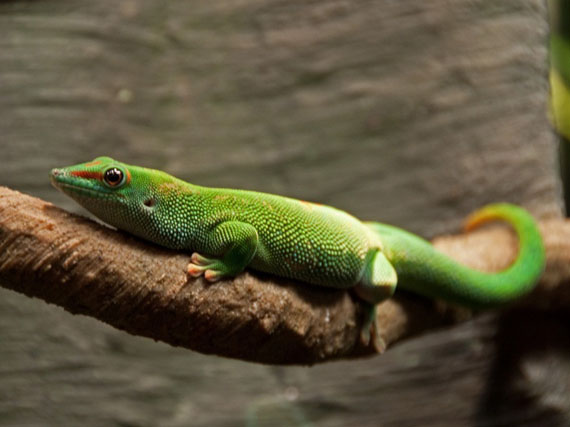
365	336
378	342
200	260
213	275
195	270
370	335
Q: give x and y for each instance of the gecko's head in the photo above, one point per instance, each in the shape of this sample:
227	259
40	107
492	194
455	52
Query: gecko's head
102	180
122	195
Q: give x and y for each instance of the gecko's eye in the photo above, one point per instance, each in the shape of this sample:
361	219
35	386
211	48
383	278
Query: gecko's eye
113	177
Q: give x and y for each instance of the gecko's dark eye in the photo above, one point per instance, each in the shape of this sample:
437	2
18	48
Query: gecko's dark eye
113	177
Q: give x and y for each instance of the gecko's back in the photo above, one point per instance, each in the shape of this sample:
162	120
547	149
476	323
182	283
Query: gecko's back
297	239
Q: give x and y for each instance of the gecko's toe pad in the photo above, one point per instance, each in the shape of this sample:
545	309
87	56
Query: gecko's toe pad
213	275
195	270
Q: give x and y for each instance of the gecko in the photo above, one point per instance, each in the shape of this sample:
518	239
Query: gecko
226	230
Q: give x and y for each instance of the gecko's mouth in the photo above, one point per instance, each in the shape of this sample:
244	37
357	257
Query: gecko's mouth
64	182
76	190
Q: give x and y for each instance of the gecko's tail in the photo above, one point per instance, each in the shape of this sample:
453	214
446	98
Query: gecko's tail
425	271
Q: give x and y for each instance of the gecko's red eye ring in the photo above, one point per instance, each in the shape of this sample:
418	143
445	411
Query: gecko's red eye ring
114	177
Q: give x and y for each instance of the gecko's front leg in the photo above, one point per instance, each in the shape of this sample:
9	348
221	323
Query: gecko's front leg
237	241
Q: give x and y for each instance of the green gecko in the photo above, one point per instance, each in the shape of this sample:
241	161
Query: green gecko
228	230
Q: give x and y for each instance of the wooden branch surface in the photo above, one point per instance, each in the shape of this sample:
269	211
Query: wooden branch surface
141	288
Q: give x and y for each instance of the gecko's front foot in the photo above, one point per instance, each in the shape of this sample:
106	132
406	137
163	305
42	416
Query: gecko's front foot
211	268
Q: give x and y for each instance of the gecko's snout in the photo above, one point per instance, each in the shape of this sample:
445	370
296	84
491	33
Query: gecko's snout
54	174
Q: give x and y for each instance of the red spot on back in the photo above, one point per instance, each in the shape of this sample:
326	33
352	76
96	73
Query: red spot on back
94	163
88	175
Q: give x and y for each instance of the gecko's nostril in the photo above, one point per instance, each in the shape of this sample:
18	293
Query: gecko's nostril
55	175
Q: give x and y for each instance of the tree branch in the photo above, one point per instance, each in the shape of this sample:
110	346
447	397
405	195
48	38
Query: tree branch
143	289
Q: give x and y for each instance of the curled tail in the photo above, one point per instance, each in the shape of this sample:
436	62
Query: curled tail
424	270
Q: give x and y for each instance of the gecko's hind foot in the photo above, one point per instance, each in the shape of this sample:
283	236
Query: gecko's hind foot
371	335
370	331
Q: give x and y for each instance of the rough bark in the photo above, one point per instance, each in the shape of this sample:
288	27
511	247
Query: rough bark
143	289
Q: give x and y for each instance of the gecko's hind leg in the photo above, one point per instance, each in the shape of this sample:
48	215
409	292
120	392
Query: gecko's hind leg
377	284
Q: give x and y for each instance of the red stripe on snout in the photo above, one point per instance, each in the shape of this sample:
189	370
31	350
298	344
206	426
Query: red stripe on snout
88	175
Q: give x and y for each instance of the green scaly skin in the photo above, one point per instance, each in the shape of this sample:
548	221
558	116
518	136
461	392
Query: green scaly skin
229	230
